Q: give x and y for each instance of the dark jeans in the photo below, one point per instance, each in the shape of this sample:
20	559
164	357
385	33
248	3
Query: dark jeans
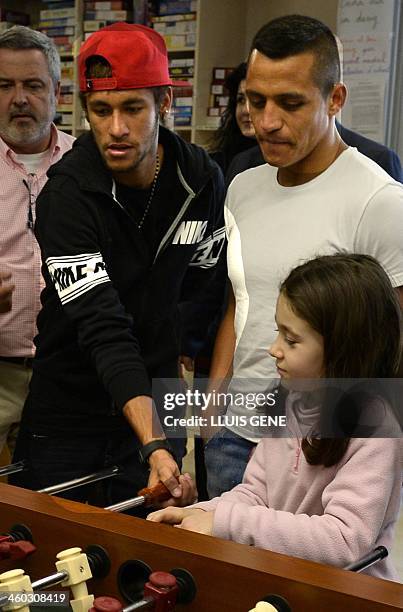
52	459
226	456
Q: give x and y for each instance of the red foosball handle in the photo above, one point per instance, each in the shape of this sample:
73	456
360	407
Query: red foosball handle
161	588
16	550
106	604
155	495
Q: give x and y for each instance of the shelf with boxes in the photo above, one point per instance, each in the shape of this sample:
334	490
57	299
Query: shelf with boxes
97	14
179	32
10	17
219	99
203	35
61	20
200	34
69	25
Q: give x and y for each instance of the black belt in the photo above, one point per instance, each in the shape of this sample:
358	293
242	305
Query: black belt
24	361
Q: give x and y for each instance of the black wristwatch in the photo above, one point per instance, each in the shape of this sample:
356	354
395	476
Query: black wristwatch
146	450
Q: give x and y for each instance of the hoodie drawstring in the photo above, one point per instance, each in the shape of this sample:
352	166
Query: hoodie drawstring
297	455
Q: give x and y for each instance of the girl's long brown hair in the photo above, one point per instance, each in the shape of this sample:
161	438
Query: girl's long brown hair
349	300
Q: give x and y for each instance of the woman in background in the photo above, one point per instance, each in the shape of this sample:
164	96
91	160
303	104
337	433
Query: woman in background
236	132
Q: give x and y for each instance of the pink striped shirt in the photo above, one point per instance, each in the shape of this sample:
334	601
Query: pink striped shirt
19	251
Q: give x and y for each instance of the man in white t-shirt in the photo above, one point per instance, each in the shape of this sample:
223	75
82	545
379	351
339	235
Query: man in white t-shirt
314	196
29	145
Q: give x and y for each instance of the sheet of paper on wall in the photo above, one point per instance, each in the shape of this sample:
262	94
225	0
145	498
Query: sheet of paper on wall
365	28
365	16
365	54
364	111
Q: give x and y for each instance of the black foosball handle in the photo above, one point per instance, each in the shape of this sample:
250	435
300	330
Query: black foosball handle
380	552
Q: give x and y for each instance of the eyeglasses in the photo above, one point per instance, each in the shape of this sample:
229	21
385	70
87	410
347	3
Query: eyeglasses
31	201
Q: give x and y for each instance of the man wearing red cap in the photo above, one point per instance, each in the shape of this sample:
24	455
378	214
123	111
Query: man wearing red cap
130	223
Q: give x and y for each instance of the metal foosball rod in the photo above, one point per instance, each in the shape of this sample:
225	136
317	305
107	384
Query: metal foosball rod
49	581
149	496
13	468
81	481
147	603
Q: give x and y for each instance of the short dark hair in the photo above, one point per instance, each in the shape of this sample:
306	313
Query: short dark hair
295	34
98	67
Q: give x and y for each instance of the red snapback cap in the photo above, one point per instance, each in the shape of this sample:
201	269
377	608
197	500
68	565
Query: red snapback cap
137	55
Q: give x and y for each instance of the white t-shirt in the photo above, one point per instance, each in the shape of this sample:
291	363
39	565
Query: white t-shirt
32	161
354	206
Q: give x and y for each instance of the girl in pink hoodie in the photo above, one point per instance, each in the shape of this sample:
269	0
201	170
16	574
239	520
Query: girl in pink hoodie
330	500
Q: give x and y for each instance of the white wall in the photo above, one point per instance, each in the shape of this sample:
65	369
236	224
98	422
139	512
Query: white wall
260	12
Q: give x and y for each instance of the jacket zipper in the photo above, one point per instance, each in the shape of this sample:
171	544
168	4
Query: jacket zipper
185	206
174	225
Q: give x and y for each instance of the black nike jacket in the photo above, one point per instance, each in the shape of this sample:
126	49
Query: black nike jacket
109	319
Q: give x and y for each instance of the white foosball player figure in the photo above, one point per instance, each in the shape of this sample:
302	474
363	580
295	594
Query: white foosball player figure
73	571
263	606
75	563
16	583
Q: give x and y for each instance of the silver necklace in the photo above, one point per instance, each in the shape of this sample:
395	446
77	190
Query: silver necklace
150	197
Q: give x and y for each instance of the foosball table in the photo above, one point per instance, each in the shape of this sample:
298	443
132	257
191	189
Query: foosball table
136	565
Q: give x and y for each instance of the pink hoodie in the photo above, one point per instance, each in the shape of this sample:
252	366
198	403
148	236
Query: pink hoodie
330	515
